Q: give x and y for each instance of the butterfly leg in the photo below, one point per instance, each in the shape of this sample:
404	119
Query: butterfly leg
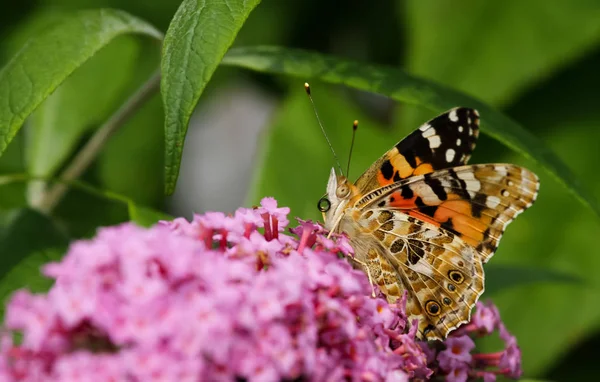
334	226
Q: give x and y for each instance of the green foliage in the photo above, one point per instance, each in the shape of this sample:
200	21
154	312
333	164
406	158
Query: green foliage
499	278
530	68
481	57
53	133
197	39
27	80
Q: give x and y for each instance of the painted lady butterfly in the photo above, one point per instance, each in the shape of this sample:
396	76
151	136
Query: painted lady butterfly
421	220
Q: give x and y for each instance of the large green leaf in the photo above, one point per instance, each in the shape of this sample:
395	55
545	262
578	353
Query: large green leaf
200	34
48	59
404	87
80	103
59	122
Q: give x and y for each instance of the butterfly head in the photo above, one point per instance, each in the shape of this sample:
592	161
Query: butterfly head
339	193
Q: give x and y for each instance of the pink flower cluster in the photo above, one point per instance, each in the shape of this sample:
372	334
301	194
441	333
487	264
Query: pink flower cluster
455	358
226	298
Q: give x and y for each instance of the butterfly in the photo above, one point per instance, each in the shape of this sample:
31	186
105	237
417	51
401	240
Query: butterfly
423	221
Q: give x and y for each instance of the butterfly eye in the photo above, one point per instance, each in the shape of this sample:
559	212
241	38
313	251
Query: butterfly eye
324	204
342	191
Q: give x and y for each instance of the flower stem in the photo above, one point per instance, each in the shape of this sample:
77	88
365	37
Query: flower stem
92	148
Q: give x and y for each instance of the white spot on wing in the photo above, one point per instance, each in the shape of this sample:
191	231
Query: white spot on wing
492	201
453	117
422	267
445	182
470	131
466	175
460	129
472	184
434	142
458	142
430	234
501	170
505	193
467	254
429	132
427	195
450	155
424	127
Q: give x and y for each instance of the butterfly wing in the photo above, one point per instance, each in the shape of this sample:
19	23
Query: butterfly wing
443	275
445	141
474	202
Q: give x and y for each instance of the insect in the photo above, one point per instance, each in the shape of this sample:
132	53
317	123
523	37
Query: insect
420	219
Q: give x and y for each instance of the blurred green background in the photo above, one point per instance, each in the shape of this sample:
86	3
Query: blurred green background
255	135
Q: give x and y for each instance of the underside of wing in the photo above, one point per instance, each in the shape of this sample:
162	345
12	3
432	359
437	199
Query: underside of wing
442	274
474	202
445	141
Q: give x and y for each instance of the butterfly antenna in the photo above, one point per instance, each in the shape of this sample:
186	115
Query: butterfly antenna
307	88
354	128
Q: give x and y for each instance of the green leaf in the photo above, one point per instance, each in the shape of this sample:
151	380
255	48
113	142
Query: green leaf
198	37
500	277
48	59
61	119
12	195
27	231
402	86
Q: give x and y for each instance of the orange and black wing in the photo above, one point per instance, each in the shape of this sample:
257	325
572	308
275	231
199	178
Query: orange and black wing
475	202
445	141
